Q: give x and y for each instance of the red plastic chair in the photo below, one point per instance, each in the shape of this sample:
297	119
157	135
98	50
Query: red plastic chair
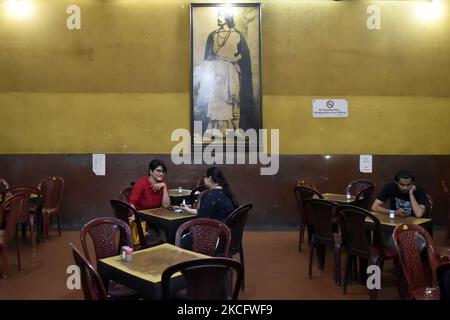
303	193
321	214
52	189
304	183
4	185
193	198
363	198
443	278
356	186
108	235
207	279
104	233
415	271
209	236
447	193
125	194
91	282
28	215
122	211
236	221
10	211
360	242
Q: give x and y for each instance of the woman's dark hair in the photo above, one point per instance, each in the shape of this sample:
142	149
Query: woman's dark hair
155	163
217	176
403	174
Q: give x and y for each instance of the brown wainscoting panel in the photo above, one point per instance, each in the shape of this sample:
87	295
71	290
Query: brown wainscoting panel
87	195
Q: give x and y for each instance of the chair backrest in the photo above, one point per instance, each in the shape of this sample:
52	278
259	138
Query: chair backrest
320	214
429	207
304	183
3	186
91	282
406	239
443	278
303	193
364	197
206	278
52	189
104	232
28	191
352	221
209	236
447	196
10	211
236	221
355	186
125	193
195	193
122	211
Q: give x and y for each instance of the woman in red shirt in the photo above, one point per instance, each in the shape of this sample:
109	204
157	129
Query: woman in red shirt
151	191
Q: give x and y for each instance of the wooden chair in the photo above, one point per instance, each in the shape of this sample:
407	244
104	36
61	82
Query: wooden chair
303	193
207	279
406	237
91	282
52	189
10	211
209	236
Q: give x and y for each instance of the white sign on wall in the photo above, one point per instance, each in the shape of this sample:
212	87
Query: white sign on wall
330	108
98	164
365	163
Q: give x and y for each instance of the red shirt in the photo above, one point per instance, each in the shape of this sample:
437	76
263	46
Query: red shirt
143	197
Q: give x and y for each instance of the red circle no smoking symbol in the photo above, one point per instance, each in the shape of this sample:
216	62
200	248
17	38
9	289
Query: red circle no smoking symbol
329	104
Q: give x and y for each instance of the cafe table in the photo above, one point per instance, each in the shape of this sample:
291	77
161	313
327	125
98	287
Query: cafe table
143	272
388	224
339	198
166	219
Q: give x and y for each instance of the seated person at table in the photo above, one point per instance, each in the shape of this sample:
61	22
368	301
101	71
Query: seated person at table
150	191
404	197
217	202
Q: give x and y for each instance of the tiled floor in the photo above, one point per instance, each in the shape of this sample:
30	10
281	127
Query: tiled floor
274	270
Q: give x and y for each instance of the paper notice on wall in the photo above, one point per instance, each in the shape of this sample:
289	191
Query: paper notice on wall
98	164
365	163
330	108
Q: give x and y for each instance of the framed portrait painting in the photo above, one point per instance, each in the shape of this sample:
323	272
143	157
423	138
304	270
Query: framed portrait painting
226	73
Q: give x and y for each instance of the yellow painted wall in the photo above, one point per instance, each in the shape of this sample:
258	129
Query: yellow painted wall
121	83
